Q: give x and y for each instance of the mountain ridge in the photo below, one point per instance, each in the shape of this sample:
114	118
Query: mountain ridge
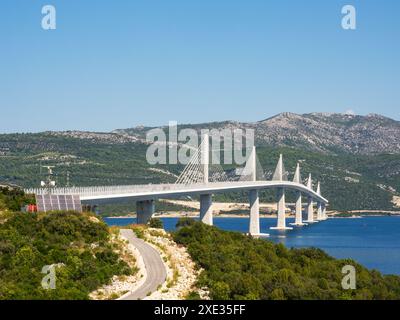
328	133
323	132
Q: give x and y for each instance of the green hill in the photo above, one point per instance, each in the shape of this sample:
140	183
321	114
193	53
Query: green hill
78	243
351	179
236	266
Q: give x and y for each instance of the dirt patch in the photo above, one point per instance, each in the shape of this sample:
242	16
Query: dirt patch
396	201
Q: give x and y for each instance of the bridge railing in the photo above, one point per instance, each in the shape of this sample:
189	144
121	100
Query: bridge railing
124	189
101	190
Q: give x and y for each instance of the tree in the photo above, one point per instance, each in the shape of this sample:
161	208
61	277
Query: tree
185	222
156	223
78	242
236	266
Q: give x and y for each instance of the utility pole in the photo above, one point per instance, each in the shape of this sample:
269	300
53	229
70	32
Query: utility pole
48	183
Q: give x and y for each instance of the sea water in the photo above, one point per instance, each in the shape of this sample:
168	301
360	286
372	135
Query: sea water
372	241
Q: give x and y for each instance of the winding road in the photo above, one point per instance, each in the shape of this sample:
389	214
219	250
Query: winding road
156	273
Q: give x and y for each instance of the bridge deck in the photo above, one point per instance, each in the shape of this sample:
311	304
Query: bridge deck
147	192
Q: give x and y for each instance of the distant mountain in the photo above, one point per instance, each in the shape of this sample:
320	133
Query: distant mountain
322	132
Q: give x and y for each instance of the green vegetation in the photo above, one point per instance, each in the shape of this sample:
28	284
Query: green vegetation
89	162
185	222
349	181
78	243
240	267
13	199
156	223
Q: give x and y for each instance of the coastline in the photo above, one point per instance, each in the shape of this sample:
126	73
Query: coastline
240	210
331	214
394	212
179	215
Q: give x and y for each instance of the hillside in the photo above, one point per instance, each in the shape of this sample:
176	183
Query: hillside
240	267
357	158
78	244
321	132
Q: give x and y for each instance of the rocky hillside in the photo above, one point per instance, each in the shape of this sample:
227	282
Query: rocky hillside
322	132
330	133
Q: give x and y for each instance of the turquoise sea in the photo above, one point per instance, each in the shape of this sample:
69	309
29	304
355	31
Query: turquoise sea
372	241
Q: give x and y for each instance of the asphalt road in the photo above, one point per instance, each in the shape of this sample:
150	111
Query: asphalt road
156	273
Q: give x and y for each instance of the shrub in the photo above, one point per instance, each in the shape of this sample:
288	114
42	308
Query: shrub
185	222
236	266
156	223
31	241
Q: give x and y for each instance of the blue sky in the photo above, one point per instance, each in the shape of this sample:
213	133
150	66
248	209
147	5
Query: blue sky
117	64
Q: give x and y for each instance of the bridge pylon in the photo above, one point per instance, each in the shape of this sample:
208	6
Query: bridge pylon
280	172
309	182
324	215
281	224
310	204
299	213
319	211
297	175
319	188
319	204
253	163
254	223
254	199
310	210
205	159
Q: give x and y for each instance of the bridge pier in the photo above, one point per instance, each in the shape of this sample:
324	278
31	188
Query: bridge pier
319	211
206	215
254	224
281	224
144	211
310	211
299	213
324	216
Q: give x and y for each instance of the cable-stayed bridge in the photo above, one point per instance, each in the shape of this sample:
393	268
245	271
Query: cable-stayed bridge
202	178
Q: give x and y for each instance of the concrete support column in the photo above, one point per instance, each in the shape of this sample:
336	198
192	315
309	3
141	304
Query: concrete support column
205	157
324	216
299	213
281	209
144	211
254	224
281	224
253	160
319	211
310	210
206	209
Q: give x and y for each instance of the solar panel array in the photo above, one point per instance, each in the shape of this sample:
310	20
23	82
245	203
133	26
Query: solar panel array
52	202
